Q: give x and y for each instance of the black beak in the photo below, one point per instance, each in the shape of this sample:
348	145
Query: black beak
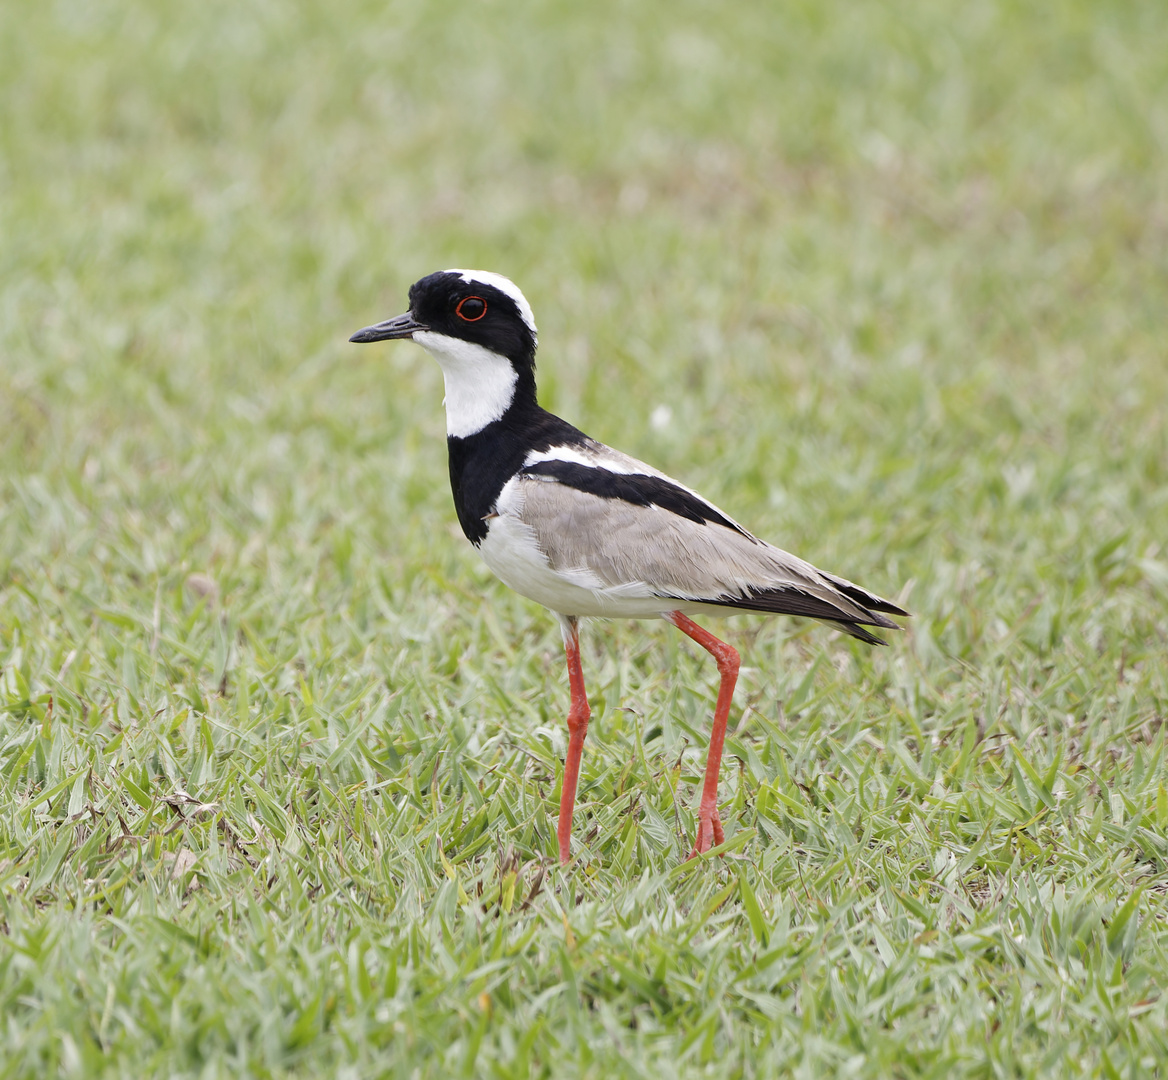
402	326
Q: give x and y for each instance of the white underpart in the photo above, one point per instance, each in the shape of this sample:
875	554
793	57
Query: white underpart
480	384
512	551
504	285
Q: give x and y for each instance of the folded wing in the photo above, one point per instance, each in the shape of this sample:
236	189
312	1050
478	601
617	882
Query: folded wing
637	530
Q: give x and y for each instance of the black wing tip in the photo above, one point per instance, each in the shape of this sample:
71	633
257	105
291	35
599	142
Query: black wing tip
868	601
890	608
797	602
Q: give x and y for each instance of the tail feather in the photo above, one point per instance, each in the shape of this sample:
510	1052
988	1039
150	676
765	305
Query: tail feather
857	631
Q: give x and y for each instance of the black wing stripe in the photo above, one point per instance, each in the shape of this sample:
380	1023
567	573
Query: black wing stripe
639	489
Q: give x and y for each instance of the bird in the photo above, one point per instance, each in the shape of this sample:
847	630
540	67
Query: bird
588	531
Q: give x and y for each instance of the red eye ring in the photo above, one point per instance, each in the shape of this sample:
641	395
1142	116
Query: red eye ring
471	317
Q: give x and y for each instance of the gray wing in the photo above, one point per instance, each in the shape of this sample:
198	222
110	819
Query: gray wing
630	532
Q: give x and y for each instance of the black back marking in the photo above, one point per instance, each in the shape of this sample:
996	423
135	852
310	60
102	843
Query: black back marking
640	489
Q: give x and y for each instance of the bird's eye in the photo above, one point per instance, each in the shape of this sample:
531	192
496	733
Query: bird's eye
471	308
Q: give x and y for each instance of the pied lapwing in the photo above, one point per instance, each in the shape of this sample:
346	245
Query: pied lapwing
586	530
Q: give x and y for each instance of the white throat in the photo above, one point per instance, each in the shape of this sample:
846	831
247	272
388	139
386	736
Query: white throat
480	384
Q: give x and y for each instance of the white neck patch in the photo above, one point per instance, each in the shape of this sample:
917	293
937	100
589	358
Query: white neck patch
505	286
480	384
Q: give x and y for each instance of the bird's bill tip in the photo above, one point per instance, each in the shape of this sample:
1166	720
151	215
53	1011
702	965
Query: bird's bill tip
401	326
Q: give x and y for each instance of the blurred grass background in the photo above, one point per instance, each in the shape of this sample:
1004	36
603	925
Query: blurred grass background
277	753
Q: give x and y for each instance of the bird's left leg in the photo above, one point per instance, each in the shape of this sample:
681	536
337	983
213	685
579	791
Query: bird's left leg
578	714
709	823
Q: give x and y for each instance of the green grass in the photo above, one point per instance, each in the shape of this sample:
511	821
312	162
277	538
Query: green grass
279	760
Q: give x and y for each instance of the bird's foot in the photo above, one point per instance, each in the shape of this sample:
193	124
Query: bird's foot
709	832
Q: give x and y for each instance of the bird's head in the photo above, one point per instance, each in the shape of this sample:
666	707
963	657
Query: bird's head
480	329
475	306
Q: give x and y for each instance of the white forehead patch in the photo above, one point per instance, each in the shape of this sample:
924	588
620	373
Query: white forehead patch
504	285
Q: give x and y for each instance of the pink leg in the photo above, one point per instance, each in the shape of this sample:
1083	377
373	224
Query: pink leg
709	823
578	714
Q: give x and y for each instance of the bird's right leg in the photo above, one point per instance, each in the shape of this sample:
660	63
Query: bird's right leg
578	714
709	823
